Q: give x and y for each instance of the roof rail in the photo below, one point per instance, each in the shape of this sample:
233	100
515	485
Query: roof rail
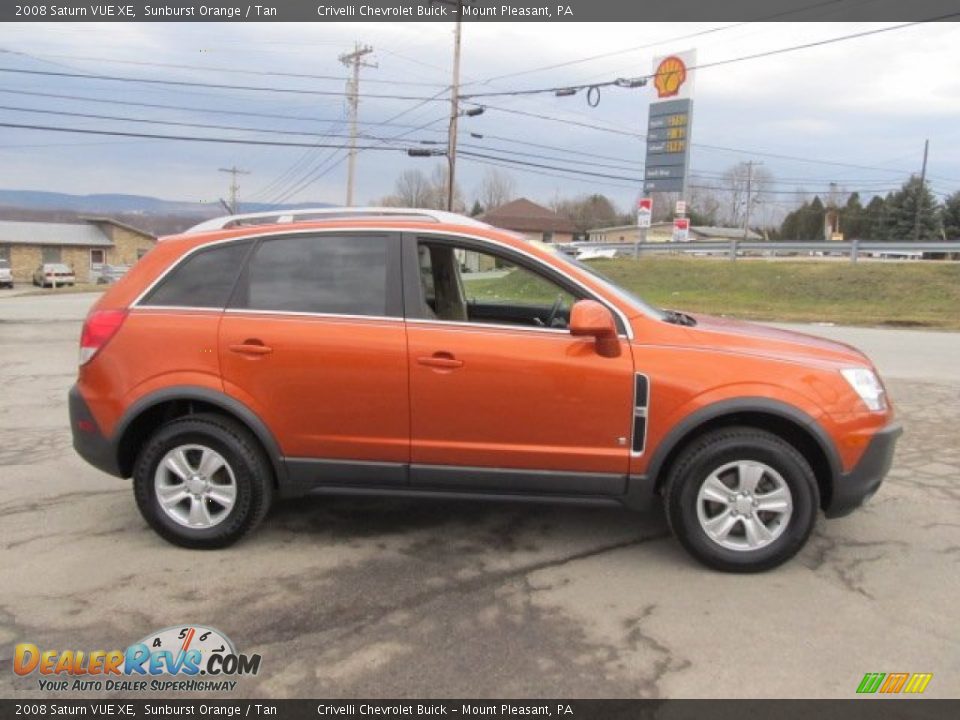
331	213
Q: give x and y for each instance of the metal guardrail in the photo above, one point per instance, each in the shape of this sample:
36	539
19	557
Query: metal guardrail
736	248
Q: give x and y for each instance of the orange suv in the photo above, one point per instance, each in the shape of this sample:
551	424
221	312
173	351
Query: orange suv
424	354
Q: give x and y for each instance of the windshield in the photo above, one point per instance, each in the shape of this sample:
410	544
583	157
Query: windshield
615	289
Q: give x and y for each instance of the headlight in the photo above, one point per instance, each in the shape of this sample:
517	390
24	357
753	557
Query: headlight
867	385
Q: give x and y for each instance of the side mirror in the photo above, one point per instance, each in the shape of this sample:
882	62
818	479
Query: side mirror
588	318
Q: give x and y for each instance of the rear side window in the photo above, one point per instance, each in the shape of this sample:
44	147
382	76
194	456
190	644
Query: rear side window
203	280
328	274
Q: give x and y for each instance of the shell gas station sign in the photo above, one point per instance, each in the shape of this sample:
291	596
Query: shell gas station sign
668	127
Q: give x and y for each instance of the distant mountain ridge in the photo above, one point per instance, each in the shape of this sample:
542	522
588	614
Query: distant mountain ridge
127	204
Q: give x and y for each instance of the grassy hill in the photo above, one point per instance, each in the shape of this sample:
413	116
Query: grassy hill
924	294
865	293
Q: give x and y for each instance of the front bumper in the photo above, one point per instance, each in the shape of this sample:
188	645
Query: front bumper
88	441
851	489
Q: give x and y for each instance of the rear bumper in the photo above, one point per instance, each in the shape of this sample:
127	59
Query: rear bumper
851	489
88	440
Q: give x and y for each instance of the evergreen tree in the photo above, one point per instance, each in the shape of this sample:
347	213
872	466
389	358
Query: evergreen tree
874	219
804	223
951	216
477	209
902	210
813	218
852	218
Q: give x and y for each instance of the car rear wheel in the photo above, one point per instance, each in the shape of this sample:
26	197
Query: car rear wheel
203	481
741	500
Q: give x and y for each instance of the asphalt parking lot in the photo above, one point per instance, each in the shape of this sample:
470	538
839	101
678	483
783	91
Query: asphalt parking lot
383	598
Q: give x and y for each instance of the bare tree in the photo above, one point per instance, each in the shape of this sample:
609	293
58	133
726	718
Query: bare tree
733	191
411	189
587	212
497	188
438	191
415	189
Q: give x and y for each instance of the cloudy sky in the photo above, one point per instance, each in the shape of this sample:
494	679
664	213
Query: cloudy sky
854	113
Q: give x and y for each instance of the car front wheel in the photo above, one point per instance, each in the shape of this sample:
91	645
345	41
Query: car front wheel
203	481
741	499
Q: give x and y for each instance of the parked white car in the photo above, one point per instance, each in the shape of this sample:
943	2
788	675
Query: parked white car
6	274
54	275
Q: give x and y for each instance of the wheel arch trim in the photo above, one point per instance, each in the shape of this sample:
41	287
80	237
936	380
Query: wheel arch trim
688	426
221	400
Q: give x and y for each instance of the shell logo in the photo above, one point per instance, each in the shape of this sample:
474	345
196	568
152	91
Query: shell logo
671	74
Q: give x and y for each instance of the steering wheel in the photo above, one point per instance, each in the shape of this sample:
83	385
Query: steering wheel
554	311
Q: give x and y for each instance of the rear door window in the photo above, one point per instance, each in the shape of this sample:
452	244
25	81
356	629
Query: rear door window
203	280
322	274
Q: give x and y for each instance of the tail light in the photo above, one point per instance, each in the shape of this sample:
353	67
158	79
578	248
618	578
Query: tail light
99	327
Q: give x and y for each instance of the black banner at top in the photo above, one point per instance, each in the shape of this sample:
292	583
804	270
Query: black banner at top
475	10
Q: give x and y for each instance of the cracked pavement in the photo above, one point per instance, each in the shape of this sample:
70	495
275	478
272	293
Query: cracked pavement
386	598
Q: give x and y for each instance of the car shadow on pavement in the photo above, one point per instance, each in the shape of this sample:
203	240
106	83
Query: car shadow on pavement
484	524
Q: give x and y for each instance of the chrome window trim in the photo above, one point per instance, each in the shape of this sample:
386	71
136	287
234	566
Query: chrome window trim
491	326
433	232
300	313
177	308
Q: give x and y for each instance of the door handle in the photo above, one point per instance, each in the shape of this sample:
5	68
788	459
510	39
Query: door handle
440	360
251	347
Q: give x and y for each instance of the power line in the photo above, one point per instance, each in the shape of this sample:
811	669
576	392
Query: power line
622	82
187	108
211	68
647	46
186	83
478	156
151	121
313	175
739	151
570	176
316	174
613	53
301	162
185	138
589	173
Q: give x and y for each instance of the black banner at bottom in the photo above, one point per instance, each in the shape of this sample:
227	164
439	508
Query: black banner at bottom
855	709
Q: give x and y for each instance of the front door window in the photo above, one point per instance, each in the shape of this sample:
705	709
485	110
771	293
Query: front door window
461	284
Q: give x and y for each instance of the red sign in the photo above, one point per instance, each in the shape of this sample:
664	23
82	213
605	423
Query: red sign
644	212
681	229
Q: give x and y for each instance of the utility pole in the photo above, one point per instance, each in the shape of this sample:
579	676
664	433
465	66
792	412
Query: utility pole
356	61
234	206
454	114
746	220
923	179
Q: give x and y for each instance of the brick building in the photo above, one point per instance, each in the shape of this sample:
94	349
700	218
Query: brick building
85	245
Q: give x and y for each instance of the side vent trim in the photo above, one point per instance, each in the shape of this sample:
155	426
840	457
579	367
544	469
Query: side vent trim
641	407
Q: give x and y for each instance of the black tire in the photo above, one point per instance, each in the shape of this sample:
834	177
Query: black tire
711	452
247	460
